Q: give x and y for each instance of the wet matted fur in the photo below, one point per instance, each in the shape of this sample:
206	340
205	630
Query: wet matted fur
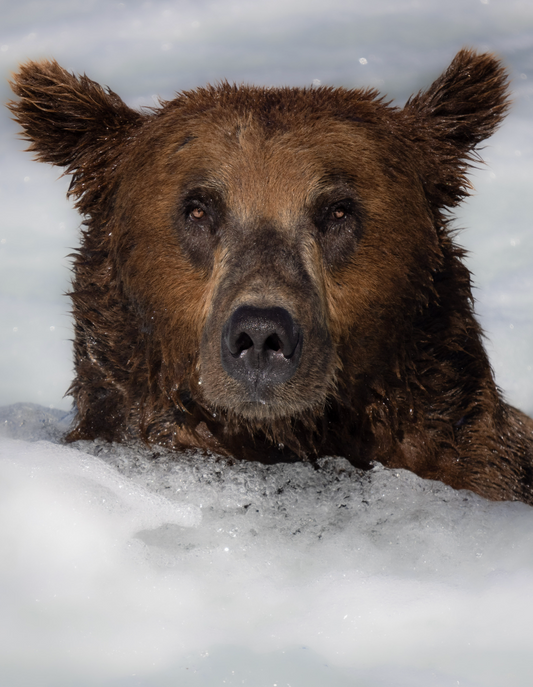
269	273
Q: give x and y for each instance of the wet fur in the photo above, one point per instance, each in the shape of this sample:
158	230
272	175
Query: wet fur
393	367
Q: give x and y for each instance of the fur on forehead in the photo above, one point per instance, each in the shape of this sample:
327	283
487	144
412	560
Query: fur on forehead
276	108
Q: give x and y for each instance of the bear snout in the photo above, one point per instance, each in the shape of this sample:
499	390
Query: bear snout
260	347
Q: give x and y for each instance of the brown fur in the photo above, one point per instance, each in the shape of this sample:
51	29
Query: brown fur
326	204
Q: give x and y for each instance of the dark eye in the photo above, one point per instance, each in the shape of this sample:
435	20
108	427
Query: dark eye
336	216
339	225
198	221
197	213
339	213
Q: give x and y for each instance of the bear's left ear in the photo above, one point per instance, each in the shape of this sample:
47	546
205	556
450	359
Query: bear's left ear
71	121
460	109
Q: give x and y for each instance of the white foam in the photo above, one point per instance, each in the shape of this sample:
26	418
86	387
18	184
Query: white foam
121	561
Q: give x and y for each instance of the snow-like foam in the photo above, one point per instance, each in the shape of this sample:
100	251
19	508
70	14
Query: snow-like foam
123	565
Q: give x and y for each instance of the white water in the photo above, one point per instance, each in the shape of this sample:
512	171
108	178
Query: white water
124	566
119	567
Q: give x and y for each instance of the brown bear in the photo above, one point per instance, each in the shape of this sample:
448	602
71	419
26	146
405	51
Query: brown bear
269	273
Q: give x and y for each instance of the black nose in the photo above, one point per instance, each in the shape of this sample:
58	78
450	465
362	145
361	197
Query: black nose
261	347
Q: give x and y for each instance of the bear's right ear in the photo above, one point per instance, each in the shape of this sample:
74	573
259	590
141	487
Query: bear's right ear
460	109
70	121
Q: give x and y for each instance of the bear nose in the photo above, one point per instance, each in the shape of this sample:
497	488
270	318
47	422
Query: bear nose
261	347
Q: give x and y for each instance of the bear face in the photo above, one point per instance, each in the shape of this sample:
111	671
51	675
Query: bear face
285	242
269	273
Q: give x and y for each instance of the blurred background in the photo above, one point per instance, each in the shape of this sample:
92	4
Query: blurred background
142	50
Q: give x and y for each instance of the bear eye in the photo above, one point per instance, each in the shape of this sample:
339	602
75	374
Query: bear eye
198	220
338	213
197	213
339	228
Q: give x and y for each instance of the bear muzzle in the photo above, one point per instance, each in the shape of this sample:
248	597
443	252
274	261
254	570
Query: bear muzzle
261	348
